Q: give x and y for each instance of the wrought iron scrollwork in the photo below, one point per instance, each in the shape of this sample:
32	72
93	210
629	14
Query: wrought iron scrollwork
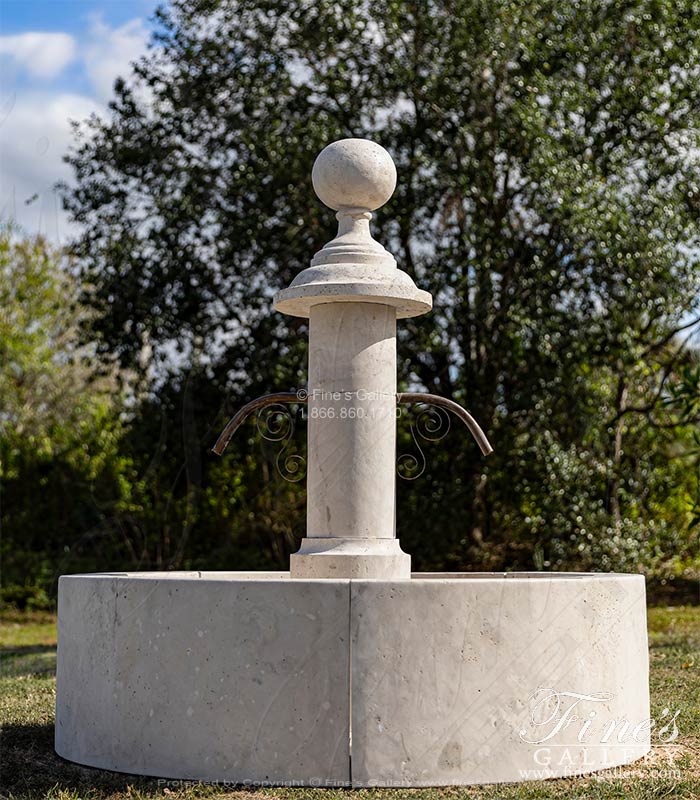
454	408
275	423
430	425
279	398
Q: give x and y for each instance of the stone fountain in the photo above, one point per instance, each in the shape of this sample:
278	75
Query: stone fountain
349	670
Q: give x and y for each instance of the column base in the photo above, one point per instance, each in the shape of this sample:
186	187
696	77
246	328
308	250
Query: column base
327	557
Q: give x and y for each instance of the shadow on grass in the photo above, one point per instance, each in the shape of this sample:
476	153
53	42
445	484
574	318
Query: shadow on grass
32	659
31	768
673	592
29	649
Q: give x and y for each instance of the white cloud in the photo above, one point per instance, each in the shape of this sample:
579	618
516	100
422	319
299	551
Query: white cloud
111	51
35	130
43	55
35	134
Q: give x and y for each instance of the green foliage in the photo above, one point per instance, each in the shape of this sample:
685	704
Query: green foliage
59	426
29	596
684	398
548	196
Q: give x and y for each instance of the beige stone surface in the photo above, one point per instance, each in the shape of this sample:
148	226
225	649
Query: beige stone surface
352	293
329	557
353	176
228	677
339	284
352	421
445	671
244	677
355	173
384	679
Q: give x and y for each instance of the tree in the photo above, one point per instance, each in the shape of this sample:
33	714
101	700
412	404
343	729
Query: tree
549	188
59	425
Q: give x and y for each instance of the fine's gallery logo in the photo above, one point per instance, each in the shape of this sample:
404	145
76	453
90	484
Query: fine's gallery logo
553	712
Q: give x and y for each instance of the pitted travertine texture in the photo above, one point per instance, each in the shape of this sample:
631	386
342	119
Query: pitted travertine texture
354	173
351	481
447	675
244	677
208	678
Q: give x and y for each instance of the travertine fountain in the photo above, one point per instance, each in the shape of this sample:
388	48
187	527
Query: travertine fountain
349	670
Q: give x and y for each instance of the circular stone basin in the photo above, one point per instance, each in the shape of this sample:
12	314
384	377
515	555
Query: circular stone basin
453	678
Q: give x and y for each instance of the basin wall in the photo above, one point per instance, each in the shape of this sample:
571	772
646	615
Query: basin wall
438	680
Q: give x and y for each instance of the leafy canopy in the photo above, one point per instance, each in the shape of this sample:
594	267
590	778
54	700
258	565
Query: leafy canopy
548	196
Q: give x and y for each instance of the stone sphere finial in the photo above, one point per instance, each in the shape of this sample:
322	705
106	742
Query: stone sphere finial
354	173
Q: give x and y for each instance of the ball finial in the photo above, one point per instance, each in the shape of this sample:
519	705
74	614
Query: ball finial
354	173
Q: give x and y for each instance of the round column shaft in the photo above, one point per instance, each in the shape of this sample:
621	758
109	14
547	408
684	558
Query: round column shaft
351	517
352	294
351	421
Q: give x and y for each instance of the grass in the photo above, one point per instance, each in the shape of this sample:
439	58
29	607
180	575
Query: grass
31	769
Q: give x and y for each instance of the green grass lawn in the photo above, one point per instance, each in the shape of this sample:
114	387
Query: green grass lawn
31	769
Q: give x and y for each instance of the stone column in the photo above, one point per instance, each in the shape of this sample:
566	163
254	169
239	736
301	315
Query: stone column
351	418
353	294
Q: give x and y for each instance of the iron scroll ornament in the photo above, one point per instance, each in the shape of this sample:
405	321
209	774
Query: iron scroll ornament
454	408
279	398
275	423
433	429
428	424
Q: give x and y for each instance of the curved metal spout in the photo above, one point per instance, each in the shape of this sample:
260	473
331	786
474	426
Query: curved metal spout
240	417
301	397
456	409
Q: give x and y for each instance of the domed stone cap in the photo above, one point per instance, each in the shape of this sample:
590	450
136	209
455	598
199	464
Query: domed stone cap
354	173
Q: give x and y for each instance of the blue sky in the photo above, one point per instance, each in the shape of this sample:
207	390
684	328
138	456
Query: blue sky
58	61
